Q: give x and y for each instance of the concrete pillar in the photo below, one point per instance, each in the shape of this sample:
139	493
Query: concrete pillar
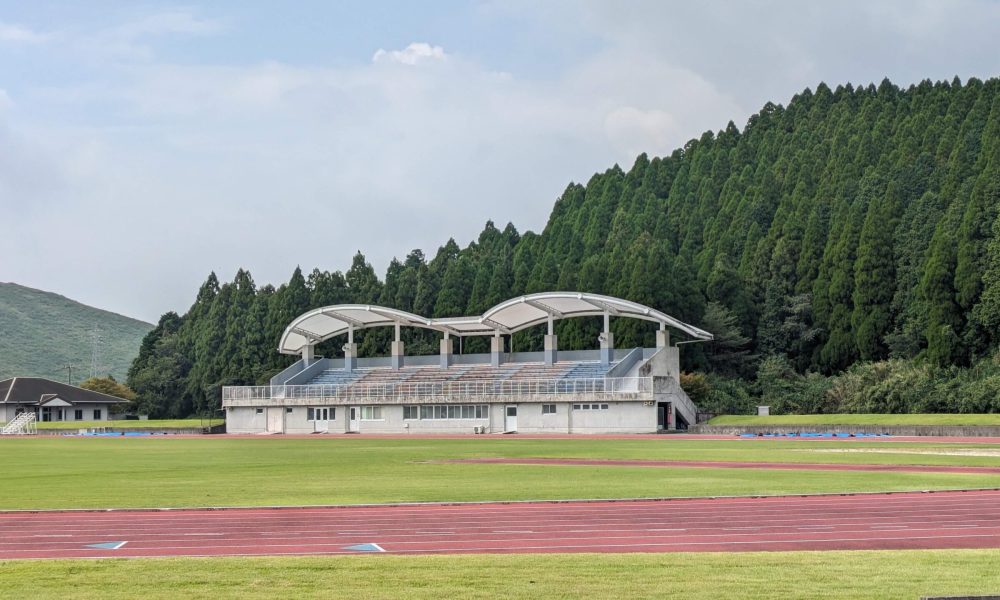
350	351
662	338
446	352
397	355
308	355
350	357
551	349
551	345
607	342
607	348
397	351
496	350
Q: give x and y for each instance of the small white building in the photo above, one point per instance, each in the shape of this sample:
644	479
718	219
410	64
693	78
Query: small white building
593	391
53	401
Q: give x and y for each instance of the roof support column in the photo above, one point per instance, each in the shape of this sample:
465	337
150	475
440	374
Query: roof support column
551	345
663	337
607	340
350	350
308	355
397	351
446	351
496	349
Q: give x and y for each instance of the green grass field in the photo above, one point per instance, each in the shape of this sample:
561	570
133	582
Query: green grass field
859	419
231	471
862	574
156	424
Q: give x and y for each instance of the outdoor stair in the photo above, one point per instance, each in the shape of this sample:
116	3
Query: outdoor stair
23	424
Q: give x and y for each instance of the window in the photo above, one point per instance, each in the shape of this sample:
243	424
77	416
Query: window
78	414
97	414
590	407
260	411
371	413
289	410
548	409
447	411
321	414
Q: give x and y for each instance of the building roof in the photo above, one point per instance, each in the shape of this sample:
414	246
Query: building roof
321	324
32	390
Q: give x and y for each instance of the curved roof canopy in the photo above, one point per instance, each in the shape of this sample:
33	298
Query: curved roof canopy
321	324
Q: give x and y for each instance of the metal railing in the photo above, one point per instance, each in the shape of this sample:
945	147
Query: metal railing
477	388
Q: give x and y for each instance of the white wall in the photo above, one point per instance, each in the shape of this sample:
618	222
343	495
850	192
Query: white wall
620	417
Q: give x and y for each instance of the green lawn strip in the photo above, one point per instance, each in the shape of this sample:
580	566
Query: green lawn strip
160	472
858	574
132	424
859	419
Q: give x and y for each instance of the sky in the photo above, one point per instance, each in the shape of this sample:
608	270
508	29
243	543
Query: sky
145	144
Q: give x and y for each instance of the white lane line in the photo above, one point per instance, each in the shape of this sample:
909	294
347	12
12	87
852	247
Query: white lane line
377	547
513	531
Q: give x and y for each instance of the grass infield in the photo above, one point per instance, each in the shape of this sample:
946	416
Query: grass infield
858	574
860	419
55	472
135	424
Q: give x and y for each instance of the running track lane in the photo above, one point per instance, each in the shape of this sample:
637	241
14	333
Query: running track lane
883	521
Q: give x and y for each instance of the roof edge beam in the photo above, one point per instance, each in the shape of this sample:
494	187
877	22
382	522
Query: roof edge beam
599	304
312	337
498	326
545	307
337	315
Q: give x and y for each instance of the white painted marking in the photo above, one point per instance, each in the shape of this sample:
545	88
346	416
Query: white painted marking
513	531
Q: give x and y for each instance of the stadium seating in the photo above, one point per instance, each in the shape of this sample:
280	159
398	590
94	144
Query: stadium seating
565	376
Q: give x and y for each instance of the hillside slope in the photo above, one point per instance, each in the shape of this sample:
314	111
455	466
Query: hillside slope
41	333
851	225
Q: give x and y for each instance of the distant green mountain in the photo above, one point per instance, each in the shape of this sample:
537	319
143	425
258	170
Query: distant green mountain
41	333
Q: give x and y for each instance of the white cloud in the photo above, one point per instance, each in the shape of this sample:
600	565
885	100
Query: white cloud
19	34
198	167
413	54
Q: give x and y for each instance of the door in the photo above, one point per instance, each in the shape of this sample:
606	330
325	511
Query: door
352	422
321	422
510	419
275	420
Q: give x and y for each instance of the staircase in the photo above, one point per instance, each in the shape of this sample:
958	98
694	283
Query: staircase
23	424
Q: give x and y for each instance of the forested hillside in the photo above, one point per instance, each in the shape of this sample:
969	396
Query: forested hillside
852	225
42	333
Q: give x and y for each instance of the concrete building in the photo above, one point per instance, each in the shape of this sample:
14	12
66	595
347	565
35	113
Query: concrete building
605	390
53	401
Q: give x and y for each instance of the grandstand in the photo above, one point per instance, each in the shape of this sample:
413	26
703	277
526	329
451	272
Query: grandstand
605	390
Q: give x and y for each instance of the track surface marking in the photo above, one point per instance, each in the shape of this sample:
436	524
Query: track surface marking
880	521
713	464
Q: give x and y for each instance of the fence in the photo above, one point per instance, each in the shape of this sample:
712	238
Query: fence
607	387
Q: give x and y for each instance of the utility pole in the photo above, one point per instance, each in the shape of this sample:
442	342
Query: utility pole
95	351
69	374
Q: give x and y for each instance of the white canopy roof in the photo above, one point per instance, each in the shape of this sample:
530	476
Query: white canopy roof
513	315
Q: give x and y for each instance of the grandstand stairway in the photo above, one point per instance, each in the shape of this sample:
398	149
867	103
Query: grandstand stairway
22	424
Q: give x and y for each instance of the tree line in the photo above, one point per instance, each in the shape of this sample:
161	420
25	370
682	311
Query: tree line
854	225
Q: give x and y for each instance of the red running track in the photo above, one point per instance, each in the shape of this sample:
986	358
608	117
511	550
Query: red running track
880	521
